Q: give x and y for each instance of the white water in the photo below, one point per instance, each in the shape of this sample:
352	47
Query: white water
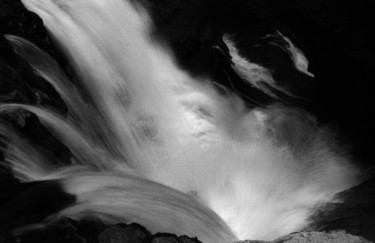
153	145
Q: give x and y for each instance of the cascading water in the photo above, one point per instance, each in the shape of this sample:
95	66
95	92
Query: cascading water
153	145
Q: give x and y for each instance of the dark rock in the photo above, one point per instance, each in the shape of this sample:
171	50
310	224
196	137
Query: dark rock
19	84
171	238
118	234
187	239
355	214
321	237
164	238
90	228
315	237
29	203
17	20
63	231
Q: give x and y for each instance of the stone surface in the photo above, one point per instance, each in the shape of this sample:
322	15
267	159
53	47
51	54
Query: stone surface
315	237
356	215
170	238
125	233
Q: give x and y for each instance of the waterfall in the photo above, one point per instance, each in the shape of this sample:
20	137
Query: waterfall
151	144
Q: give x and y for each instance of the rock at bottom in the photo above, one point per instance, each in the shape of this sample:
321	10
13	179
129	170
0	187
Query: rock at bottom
315	237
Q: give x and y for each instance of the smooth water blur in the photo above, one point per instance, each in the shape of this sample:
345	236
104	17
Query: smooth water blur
155	146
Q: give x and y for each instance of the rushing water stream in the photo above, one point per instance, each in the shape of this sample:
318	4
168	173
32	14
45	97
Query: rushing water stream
153	145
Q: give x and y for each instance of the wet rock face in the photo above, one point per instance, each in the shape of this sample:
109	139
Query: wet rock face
332	237
135	233
17	20
315	237
92	230
19	84
356	215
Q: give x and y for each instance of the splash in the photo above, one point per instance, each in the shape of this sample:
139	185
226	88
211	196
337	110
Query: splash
155	146
297	56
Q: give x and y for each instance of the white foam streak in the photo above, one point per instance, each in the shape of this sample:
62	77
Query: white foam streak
25	161
125	198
